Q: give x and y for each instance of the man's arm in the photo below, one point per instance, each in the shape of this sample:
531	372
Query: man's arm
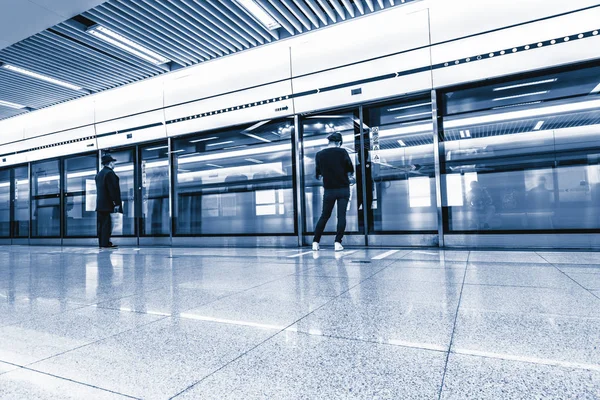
114	190
318	167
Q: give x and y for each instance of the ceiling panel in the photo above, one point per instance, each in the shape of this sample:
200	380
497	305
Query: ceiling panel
186	32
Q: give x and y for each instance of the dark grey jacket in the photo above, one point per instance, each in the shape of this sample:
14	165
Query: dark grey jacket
107	190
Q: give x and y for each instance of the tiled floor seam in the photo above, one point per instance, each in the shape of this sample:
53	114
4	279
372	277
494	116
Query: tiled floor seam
568	276
73	381
454	328
272	336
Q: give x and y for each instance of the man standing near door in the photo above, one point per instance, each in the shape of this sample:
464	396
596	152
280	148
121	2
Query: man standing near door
335	166
108	200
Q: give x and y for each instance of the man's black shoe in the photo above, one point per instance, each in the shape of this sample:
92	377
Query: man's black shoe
110	246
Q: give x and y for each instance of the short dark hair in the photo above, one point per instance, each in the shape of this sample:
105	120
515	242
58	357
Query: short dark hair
335	137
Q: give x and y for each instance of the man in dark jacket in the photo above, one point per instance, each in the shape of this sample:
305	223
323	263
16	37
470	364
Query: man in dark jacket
335	166
108	200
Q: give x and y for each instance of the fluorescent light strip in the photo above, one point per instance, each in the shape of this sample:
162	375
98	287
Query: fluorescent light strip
517	96
157	148
412	115
538	126
40	76
81	174
596	89
220	143
126	44
257	137
406	107
401	143
215	165
517	105
203	139
254	160
11	105
525	84
522	114
260	14
4	184
238	153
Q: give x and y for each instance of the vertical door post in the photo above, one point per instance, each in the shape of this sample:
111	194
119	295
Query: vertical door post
437	149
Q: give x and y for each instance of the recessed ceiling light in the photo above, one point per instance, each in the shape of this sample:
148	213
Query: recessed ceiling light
260	14
538	126
11	105
256	137
219	144
401	143
40	76
526	84
517	96
109	36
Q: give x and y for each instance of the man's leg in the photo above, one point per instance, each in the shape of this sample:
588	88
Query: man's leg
105	228
328	203
342	206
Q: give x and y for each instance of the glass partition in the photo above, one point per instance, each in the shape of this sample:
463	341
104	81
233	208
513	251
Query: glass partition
80	195
237	181
156	220
315	129
524	165
21	203
399	147
5	200
124	168
45	200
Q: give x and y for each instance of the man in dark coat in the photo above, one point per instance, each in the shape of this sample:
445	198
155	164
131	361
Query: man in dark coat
108	200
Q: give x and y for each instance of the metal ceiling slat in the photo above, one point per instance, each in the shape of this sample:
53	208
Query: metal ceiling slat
177	54
281	9
48	67
99	65
176	16
318	11
268	35
370	5
300	16
360	6
226	20
380	2
139	33
338	9
349	8
160	25
326	6
307	12
218	23
277	16
124	60
227	45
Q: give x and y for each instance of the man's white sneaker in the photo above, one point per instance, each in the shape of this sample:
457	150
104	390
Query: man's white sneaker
338	246
316	246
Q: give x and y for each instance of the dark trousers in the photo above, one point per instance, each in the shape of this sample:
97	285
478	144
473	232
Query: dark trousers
331	196
104	227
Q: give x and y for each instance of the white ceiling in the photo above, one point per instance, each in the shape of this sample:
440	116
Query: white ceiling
20	19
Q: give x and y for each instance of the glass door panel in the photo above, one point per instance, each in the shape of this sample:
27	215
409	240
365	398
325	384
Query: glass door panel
80	195
46	199
5	203
236	181
21	202
124	168
399	149
156	219
315	130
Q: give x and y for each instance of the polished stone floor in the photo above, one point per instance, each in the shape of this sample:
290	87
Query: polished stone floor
160	323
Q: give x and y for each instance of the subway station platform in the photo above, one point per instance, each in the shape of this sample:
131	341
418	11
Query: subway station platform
189	323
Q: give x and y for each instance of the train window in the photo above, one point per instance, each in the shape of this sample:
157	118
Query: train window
235	181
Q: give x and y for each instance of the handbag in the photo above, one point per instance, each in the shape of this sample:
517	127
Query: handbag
116	220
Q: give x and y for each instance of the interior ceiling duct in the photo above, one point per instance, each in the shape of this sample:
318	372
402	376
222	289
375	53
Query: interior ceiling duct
139	39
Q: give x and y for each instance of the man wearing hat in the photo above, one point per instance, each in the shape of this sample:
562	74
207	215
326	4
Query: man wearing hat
108	200
334	165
